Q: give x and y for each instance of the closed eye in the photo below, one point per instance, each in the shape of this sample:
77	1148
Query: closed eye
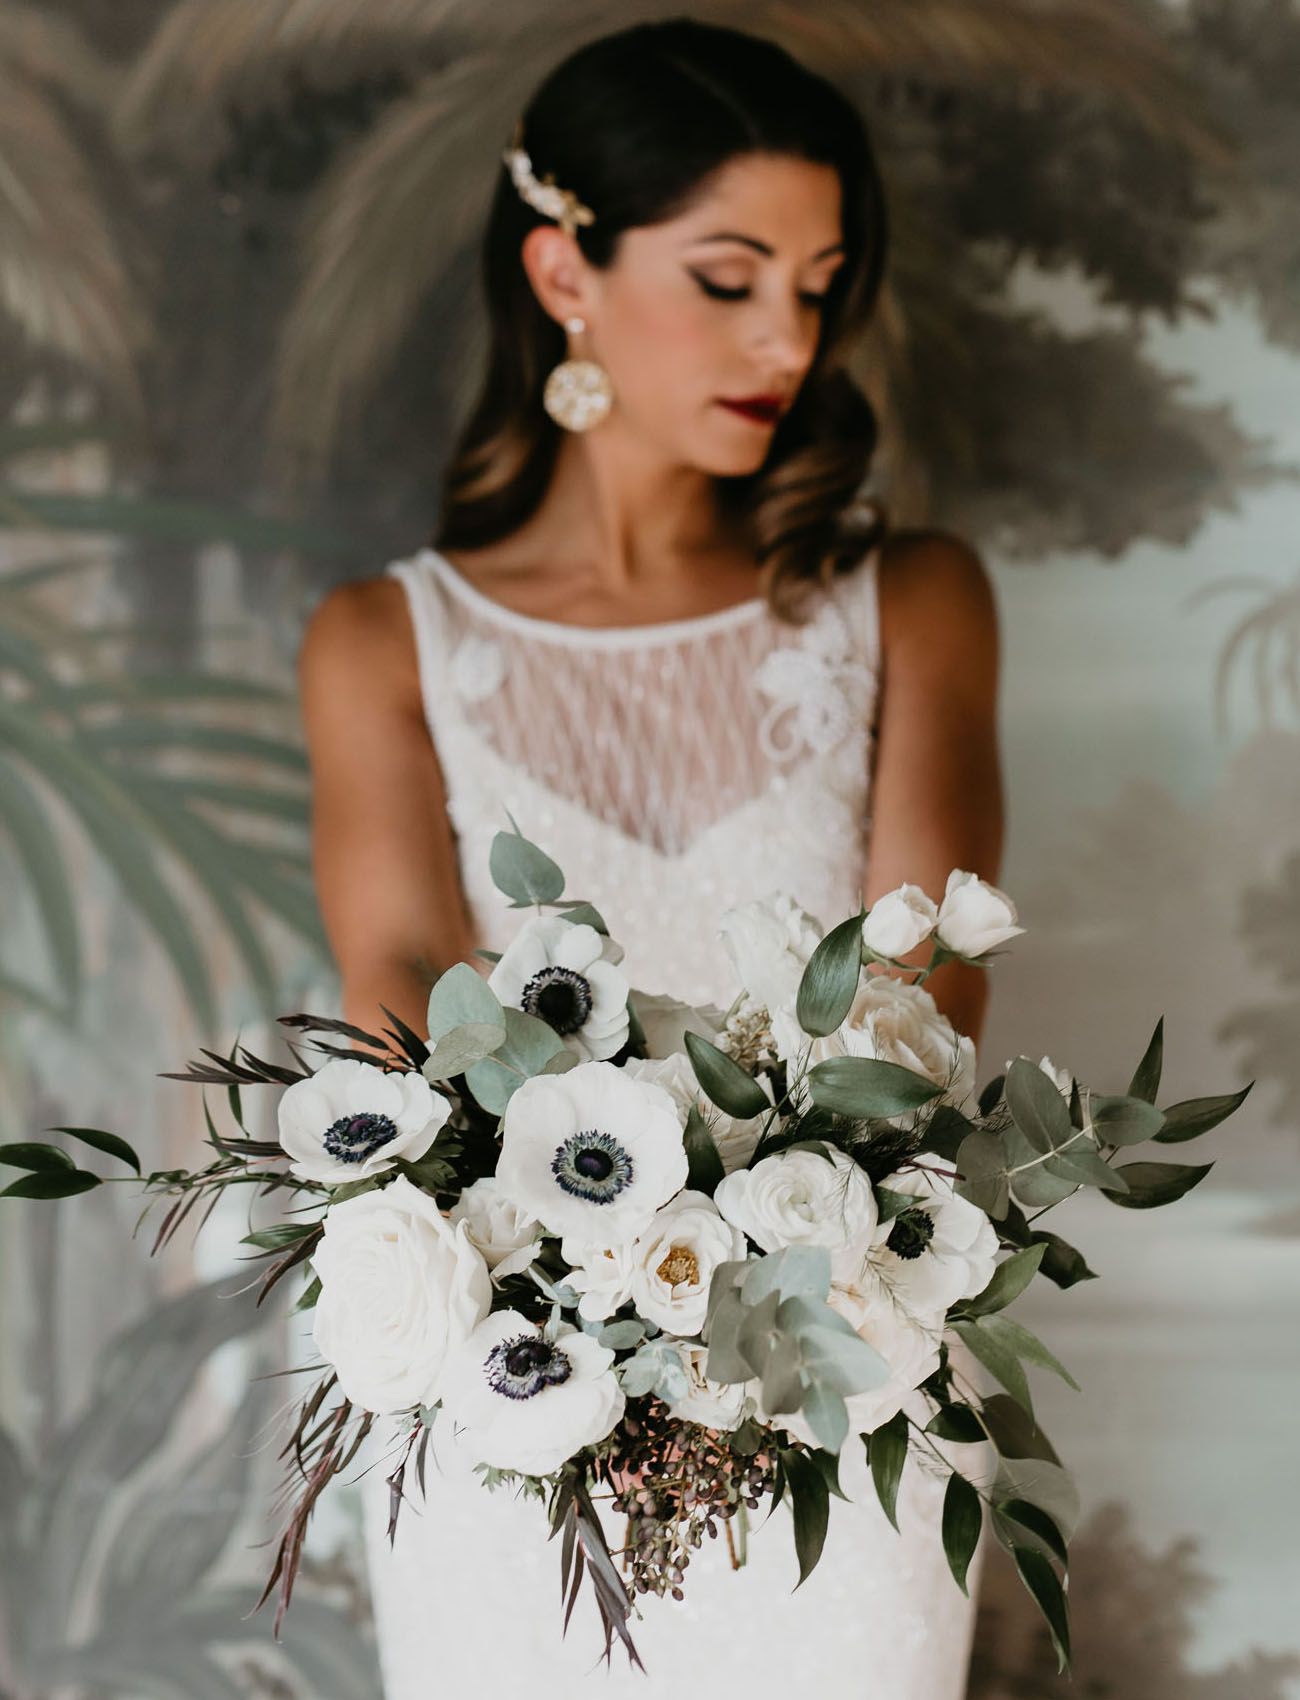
717	292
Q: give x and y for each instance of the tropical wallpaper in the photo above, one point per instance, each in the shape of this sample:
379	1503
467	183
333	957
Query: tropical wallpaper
237	328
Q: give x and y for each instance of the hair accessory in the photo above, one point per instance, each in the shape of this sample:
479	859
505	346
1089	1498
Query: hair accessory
543	195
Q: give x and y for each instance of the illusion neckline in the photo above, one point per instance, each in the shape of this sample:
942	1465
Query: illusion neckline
603	637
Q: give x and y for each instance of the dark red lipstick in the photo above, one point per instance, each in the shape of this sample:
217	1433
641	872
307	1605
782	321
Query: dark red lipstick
762	409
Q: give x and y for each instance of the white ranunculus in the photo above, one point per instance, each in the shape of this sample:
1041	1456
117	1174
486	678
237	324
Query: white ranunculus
400	1289
674	1259
591	1153
712	1404
528	1403
897	1022
899	921
770	940
974	916
508	1237
939	1250
603	1275
565	973
351	1120
797	1197
734	1136
1060	1077
910	1348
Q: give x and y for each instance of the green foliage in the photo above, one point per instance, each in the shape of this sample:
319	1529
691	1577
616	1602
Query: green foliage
830	979
723	1081
525	873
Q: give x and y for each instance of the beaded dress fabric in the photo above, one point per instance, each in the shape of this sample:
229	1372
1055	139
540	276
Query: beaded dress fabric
672	770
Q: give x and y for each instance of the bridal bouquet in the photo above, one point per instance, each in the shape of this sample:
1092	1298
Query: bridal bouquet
682	1258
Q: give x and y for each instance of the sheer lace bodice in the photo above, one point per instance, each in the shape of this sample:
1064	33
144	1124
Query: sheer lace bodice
671	769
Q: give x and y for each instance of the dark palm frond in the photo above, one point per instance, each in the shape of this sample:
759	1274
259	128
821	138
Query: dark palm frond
1275	620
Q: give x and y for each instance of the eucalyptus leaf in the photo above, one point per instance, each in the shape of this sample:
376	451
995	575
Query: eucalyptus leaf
962	1522
864	1087
982	1172
844	1362
1125	1121
795	1270
1062	1263
461	1047
830	979
887	1454
1036	1105
582	913
1153	1184
782	1377
1008	1281
461	996
723	1080
1084	1163
529	1044
1195	1116
1018	1339
526	874
997	1357
827	1414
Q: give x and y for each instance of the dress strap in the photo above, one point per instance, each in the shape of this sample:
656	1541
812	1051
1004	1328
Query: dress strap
429	624
858	593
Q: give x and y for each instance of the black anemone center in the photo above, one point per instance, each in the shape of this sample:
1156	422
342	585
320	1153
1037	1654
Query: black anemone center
911	1233
592	1165
525	1365
558	996
351	1139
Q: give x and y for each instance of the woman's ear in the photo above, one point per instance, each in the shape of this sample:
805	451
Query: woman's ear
555	267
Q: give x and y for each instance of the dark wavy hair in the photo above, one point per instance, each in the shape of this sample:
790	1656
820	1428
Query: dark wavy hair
634	123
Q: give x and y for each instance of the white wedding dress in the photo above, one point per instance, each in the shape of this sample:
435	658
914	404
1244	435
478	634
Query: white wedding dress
671	770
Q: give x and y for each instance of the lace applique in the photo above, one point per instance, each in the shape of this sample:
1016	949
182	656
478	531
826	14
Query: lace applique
815	689
478	666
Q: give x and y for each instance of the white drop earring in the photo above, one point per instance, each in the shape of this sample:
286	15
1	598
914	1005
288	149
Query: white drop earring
578	393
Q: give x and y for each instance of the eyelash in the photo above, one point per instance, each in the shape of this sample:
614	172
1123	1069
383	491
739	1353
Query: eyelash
719	293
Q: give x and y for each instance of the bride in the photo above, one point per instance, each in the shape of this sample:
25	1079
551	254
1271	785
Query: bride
660	628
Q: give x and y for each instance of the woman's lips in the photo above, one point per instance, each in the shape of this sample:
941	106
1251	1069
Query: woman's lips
760	410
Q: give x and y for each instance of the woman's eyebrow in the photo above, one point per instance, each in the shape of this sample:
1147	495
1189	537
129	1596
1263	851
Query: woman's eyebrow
753	242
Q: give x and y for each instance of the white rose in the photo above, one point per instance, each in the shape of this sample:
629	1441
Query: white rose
770	940
603	1275
674	1259
796	1197
528	1403
508	1237
564	973
894	1021
899	921
1060	1077
734	1136
351	1120
400	1289
712	1404
939	1250
591	1153
975	916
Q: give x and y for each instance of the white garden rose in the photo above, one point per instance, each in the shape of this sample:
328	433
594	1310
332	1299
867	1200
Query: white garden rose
1061	1078
565	973
674	1259
899	921
528	1403
770	940
351	1120
974	916
400	1289
934	1252
508	1237
591	1153
797	1197
603	1275
895	1021
734	1136
712	1404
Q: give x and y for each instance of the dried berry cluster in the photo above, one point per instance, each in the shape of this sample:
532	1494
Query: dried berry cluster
685	1482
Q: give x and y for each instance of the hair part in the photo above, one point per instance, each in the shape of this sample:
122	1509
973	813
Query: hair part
636	123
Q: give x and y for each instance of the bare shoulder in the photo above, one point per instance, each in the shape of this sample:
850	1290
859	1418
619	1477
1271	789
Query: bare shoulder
935	591
359	630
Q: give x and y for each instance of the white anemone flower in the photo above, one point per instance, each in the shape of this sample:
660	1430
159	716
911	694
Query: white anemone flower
938	1250
565	973
351	1120
528	1403
591	1153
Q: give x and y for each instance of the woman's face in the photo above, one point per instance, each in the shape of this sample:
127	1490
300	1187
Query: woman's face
720	303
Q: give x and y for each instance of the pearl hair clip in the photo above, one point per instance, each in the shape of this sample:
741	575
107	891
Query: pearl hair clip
544	195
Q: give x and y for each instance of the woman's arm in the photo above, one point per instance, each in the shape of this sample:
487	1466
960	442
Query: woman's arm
383	849
937	790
